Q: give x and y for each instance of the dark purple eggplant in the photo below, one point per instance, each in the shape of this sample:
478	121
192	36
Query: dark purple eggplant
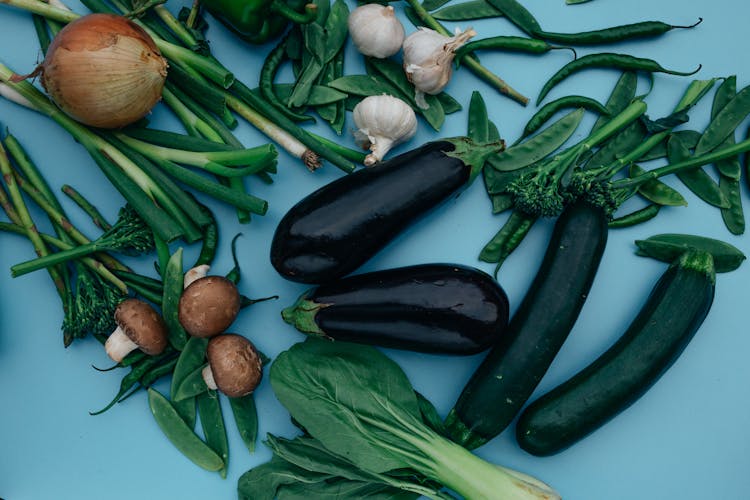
434	308
337	228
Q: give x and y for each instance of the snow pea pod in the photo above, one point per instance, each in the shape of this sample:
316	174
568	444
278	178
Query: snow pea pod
656	191
173	285
689	138
729	167
246	419
551	108
637	217
539	146
607	60
622	94
192	357
467	11
192	385
725	122
184	439
668	247
733	216
515	229
518	15
478	126
212	423
697	180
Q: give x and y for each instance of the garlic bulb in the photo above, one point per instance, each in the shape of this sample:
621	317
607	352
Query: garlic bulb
428	60
375	30
103	70
383	121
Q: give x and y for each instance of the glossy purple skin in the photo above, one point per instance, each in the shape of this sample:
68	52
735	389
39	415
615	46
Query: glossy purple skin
337	228
435	308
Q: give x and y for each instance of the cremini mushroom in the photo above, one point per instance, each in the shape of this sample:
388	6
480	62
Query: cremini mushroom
234	366
139	326
208	306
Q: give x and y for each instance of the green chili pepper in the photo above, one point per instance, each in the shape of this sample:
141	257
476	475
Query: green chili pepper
642	215
551	108
508	238
267	76
257	21
510	44
608	60
644	29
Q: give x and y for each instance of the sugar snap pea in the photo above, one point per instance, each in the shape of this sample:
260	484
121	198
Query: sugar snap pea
192	385
607	60
181	436
733	215
725	122
192	357
212	423
637	217
246	419
510	44
656	191
667	247
689	138
515	229
553	107
729	167
539	146
449	103
697	180
173	285
467	11
643	29
622	94
478	126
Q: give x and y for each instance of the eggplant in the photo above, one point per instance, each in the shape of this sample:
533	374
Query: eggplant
337	228
433	308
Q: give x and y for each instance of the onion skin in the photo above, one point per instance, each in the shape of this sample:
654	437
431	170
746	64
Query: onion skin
103	70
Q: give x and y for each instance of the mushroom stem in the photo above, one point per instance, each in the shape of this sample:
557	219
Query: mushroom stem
208	377
118	345
195	273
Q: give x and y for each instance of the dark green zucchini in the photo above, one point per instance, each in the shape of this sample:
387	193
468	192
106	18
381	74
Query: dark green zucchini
434	308
673	312
511	371
337	228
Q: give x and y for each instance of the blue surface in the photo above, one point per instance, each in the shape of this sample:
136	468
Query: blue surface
688	438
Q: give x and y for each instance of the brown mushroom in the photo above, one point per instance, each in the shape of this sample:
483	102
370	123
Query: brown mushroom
139	326
234	366
208	306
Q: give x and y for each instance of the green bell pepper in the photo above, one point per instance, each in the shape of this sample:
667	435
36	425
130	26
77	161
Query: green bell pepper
257	21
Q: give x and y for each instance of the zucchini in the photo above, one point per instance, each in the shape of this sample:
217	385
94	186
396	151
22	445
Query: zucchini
434	308
673	312
337	228
511	371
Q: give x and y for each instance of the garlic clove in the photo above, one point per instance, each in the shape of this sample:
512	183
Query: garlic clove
382	121
375	30
428	60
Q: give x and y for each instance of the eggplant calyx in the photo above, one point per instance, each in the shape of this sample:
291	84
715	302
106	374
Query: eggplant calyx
301	315
473	154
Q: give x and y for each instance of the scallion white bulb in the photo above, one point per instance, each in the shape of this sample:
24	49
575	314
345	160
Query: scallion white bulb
375	30
382	122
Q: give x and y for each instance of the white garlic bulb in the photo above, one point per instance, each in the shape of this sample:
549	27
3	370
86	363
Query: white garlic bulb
375	30
382	122
428	60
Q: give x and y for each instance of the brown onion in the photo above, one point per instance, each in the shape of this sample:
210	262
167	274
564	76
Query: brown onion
104	70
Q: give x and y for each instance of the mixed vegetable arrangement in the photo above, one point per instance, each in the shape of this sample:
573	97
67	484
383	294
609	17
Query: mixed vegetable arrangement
365	432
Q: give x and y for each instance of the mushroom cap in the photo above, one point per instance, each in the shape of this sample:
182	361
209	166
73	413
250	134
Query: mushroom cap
208	306
236	365
143	325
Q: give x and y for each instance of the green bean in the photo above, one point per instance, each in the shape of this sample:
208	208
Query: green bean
509	44
637	217
181	435
697	180
467	11
551	108
515	229
668	247
173	285
726	91
733	216
246	419
644	29
622	94
607	60
539	146
725	122
212	422
656	191
192	385
518	15
267	76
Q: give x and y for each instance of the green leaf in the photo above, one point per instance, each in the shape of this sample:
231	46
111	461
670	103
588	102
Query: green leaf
350	402
342	490
263	482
